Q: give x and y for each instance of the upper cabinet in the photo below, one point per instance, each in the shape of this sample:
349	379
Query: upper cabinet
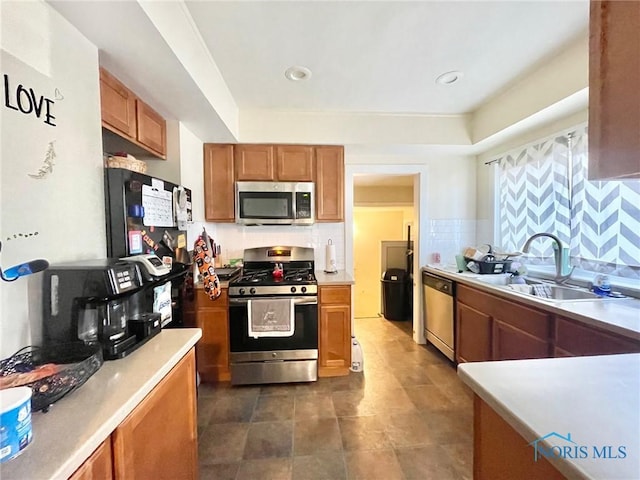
118	105
151	128
254	163
219	193
330	184
283	163
226	164
295	163
139	129
614	96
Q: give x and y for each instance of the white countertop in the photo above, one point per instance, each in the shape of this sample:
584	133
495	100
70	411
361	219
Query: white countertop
341	277
76	425
617	315
595	399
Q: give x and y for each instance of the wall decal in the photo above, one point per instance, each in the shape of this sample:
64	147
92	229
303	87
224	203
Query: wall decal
58	95
18	236
26	101
47	165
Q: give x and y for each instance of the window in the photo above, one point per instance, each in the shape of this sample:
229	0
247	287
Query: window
544	188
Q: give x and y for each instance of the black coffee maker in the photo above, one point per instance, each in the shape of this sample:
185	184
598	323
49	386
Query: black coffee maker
97	301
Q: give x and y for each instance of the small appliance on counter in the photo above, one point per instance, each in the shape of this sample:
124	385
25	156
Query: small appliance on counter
159	291
98	301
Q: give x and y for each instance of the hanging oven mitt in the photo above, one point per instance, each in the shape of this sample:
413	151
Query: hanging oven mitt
203	255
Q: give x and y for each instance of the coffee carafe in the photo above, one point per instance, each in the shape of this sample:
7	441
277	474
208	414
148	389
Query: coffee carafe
93	301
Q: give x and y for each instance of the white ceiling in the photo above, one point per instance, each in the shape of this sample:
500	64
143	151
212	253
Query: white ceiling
381	56
218	66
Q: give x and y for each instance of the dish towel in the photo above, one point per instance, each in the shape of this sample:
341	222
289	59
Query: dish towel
271	317
542	291
520	288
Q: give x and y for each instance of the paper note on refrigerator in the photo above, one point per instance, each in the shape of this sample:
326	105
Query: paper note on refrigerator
158	207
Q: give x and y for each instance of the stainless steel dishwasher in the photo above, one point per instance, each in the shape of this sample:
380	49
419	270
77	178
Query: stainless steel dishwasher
438	297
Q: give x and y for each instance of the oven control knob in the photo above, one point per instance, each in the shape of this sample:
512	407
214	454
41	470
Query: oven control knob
304	289
293	289
252	290
241	291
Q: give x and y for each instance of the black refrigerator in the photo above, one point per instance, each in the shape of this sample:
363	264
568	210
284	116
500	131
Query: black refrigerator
145	214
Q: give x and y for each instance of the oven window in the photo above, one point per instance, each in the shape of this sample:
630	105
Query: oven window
266	205
305	335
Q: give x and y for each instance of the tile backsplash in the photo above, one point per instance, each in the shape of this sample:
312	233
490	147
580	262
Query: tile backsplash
233	239
449	237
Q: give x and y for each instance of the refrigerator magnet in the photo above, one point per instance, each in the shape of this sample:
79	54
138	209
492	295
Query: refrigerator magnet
135	242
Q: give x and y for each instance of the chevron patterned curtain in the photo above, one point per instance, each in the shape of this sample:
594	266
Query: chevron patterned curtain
544	188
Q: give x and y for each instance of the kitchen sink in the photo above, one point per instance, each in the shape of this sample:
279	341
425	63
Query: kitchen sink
559	293
547	291
499	280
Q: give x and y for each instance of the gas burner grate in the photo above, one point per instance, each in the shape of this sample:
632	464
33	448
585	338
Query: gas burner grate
298	275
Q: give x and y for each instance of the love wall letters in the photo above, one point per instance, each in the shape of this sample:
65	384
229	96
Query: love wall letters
26	101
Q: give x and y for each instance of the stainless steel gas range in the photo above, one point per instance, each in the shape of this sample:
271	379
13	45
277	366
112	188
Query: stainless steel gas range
273	317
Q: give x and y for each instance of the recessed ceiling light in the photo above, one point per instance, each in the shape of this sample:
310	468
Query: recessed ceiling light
449	77
297	73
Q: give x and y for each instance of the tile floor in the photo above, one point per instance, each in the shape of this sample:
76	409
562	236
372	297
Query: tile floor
407	416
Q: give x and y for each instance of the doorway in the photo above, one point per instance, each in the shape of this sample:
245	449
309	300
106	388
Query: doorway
394	215
373	226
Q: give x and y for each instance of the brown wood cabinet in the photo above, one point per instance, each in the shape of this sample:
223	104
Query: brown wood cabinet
226	164
138	126
118	105
334	325
492	328
212	350
283	163
151	128
473	334
159	438
512	459
614	96
520	332
511	343
295	163
489	327
99	466
574	339
219	189
254	163
330	184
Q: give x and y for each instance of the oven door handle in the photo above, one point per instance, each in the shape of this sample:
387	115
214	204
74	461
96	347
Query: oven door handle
296	300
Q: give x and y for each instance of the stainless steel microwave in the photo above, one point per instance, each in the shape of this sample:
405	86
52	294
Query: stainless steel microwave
275	203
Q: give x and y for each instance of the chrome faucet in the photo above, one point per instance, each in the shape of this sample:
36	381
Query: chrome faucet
557	253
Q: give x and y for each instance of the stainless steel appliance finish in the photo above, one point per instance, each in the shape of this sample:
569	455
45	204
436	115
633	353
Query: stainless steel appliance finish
93	301
438	297
275	203
280	272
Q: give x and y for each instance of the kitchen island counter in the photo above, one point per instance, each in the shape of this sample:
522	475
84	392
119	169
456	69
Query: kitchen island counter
595	401
76	425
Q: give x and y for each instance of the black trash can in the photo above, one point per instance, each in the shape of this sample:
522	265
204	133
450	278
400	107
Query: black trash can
394	294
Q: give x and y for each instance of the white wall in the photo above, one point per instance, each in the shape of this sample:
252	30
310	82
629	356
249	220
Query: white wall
43	51
168	169
192	175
